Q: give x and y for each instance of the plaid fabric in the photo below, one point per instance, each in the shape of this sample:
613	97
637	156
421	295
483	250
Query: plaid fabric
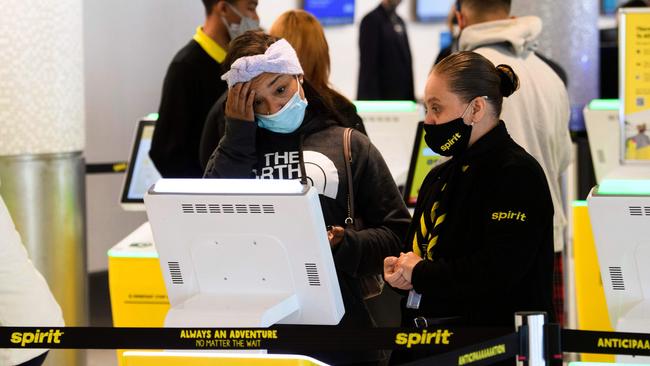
558	289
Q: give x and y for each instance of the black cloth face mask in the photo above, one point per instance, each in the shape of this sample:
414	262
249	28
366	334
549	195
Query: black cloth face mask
448	139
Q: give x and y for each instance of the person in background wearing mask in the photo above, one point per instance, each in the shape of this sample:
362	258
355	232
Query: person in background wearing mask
25	298
193	84
305	34
278	127
385	66
538	115
480	246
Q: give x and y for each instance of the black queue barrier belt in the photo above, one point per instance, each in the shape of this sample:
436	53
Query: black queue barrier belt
445	346
615	343
104	168
297	338
484	353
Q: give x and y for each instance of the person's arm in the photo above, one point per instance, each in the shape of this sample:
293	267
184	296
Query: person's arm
236	155
172	150
369	45
509	247
381	208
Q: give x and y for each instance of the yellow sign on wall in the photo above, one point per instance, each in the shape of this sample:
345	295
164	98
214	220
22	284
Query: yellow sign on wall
635	81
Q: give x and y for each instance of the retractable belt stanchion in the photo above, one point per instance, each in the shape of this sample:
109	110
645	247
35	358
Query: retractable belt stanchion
530	326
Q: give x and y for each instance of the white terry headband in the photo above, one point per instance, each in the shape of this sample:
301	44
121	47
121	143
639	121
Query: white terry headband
279	58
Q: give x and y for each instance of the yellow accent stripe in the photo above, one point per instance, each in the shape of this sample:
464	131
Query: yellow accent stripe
465	168
119	167
423	229
209	45
433	211
440	220
423	226
416	247
432	243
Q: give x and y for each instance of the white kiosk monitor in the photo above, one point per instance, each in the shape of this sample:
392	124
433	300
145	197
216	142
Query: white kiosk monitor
619	209
391	127
141	172
604	133
243	253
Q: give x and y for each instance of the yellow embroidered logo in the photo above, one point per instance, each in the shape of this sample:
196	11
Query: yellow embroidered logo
450	142
517	216
438	336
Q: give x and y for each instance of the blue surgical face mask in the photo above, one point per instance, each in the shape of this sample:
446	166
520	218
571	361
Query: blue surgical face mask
287	119
245	24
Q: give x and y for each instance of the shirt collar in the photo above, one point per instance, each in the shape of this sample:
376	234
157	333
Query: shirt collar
209	45
493	140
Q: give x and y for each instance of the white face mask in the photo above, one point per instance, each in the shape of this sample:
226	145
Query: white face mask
245	24
288	118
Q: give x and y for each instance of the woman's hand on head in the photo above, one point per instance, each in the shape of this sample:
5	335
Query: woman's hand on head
394	274
239	104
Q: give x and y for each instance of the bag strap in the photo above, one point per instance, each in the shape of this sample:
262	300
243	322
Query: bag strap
347	155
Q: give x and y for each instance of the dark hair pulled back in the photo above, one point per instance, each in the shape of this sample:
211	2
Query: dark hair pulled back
470	75
509	80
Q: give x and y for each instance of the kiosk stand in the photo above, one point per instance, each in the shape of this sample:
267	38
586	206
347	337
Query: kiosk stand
243	253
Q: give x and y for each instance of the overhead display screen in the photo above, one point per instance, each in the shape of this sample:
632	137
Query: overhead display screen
331	12
432	10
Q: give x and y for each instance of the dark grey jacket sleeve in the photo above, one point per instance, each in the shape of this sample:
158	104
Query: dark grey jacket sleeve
382	210
213	130
235	156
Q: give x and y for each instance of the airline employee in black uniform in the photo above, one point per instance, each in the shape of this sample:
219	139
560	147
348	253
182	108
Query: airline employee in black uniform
385	65
192	85
480	246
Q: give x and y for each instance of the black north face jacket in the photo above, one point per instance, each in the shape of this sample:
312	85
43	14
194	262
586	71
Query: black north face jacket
246	151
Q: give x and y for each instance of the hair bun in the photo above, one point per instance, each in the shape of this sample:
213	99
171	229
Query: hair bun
509	80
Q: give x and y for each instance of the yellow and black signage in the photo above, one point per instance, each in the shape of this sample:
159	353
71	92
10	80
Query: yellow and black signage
636	344
229	338
625	343
452	346
482	354
307	338
40	337
426	337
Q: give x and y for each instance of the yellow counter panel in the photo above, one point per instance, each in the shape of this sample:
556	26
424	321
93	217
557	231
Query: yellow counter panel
590	295
214	359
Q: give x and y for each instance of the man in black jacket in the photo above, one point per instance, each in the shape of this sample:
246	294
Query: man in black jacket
385	67
193	84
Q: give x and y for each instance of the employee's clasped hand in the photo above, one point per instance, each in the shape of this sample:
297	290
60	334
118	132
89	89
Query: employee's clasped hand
240	102
398	271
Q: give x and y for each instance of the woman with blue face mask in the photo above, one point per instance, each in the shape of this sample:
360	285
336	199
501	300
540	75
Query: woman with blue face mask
480	246
278	127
